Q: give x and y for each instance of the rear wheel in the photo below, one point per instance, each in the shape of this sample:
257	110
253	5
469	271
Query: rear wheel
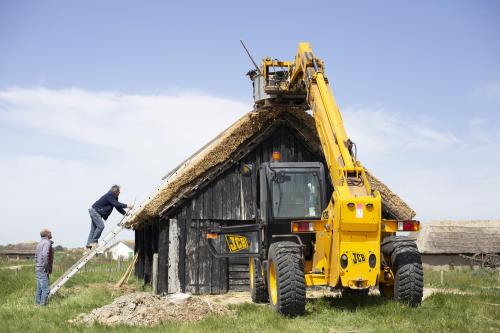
406	264
258	288
286	281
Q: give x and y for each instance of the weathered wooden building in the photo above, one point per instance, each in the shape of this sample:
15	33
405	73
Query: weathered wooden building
208	189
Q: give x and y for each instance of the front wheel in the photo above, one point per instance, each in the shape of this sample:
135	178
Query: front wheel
406	264
286	281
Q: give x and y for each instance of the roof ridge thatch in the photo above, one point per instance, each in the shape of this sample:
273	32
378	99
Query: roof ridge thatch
226	146
454	237
25	247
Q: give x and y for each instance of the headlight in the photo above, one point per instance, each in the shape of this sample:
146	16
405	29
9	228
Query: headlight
372	260
343	261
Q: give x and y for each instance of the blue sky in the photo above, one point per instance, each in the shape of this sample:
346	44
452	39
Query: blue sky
90	90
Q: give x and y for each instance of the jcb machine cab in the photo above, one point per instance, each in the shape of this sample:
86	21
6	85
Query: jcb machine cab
291	195
303	236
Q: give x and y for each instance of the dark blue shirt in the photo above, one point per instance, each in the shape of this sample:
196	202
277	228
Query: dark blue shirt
105	205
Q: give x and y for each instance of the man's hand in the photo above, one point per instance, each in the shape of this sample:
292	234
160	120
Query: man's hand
130	206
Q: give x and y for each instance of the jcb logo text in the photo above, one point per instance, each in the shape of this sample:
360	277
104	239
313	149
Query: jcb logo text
236	243
357	258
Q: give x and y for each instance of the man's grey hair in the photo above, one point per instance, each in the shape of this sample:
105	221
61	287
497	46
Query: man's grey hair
115	188
44	232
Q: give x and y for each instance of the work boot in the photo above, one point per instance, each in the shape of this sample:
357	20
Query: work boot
93	246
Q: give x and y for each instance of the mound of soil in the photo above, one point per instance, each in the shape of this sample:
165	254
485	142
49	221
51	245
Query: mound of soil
145	309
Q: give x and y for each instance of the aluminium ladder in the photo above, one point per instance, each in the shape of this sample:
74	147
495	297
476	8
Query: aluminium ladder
88	256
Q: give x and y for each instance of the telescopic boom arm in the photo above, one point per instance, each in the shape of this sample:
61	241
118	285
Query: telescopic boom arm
307	72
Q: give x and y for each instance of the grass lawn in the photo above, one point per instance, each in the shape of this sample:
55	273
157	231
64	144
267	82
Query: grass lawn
474	312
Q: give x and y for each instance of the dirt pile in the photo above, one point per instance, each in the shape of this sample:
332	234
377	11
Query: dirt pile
145	309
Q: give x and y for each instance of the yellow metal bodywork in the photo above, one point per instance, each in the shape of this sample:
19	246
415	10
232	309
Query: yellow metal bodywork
351	224
273	284
348	235
251	269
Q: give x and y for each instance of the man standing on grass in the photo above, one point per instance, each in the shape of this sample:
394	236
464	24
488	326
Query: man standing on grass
100	210
44	258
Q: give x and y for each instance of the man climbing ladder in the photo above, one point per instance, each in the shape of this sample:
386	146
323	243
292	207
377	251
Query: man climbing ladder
100	210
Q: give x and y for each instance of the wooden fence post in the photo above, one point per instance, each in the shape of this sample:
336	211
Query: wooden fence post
442	273
155	274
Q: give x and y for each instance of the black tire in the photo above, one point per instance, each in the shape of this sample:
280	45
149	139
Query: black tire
258	287
287	295
402	254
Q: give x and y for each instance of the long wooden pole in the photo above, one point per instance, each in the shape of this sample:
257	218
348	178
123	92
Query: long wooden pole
155	273
126	276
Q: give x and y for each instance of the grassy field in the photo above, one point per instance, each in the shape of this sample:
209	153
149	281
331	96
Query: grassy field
474	312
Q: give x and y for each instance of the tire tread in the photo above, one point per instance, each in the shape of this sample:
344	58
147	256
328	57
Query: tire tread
291	281
403	256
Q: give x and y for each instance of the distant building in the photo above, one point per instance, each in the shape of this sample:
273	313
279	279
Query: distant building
443	242
123	249
22	250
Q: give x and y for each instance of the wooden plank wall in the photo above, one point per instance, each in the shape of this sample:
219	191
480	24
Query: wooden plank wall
148	253
139	265
146	243
205	274
163	247
232	197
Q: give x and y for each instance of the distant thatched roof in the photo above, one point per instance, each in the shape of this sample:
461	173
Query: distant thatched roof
183	181
27	247
454	237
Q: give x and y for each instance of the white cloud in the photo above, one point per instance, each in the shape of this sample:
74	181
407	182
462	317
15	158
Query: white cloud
65	147
489	90
384	132
132	140
113	120
442	174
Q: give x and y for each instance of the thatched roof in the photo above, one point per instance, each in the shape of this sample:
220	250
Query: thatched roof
27	247
231	145
454	237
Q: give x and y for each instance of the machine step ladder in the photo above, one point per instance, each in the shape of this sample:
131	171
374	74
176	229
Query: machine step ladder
102	245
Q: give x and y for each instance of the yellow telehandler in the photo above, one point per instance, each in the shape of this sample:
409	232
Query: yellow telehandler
302	238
